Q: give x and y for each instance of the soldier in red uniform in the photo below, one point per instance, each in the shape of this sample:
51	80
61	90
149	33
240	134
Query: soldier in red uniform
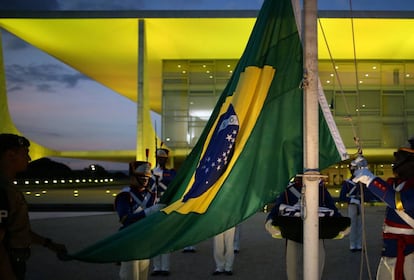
397	261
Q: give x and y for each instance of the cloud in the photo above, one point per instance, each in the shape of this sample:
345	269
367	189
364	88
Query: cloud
29	5
46	77
13	43
159	5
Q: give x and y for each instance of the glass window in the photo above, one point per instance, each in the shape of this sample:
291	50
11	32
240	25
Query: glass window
393	135
346	104
393	105
409	76
370	134
369	75
392	76
369	102
409	102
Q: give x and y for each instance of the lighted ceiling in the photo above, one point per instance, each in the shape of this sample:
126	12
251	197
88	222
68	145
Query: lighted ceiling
107	49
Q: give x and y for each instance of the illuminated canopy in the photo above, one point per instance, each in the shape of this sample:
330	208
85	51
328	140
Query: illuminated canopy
107	48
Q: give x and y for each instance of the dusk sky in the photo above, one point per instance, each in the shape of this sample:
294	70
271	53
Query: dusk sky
60	108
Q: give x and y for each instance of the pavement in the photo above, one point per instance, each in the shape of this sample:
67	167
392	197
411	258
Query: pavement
260	257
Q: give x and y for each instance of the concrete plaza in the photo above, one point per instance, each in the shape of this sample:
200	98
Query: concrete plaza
261	257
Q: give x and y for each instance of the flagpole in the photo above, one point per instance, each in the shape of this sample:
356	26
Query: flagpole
311	144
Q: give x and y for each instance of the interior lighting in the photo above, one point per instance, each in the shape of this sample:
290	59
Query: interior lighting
28	193
331	75
37	182
168	139
211	77
183	71
26	182
37	194
108	191
208	71
179	65
366	75
46	182
407	75
43	192
204	66
374	67
54	181
228	65
328	82
361	82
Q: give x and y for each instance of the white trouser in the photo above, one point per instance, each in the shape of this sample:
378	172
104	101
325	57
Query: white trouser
294	259
386	268
134	270
355	235
161	262
236	243
224	250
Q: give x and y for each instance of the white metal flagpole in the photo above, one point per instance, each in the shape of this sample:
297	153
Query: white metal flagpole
311	144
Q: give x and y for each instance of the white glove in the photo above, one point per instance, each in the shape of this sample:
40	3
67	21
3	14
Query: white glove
363	176
359	162
155	208
343	233
157	173
273	230
355	201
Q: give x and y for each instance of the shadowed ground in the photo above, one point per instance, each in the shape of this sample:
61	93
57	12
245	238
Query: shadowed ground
261	257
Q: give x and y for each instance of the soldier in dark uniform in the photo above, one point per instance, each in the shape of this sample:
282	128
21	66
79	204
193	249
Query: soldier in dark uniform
351	194
288	204
18	236
161	178
132	204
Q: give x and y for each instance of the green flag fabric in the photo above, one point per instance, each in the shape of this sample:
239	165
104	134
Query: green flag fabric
250	148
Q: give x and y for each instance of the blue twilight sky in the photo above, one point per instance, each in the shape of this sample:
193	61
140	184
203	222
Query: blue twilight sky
61	108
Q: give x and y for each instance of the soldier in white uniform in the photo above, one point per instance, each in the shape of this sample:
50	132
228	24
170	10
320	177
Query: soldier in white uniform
224	252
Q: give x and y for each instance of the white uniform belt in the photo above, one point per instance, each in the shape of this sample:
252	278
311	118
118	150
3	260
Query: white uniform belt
395	230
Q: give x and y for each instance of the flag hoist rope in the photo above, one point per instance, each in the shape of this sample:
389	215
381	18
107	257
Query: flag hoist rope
355	134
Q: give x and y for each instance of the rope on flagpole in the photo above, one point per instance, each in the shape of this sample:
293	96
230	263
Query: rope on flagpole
356	138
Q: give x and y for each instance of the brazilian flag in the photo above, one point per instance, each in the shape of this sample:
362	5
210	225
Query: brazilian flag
250	147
